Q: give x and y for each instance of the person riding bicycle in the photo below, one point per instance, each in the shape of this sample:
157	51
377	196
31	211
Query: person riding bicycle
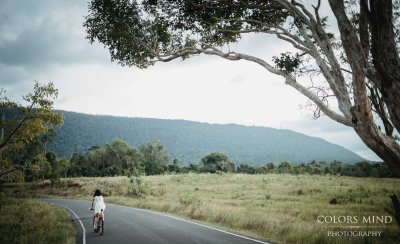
98	206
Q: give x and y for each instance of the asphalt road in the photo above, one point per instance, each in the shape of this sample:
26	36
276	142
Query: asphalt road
132	225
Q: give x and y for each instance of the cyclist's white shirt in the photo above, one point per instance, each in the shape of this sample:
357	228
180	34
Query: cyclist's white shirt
99	204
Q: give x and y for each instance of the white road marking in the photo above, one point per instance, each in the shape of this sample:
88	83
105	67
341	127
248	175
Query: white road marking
184	220
83	228
165	215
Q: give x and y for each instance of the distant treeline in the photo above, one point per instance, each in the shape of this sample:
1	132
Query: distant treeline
118	158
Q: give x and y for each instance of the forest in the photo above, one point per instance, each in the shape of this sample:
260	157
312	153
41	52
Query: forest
190	141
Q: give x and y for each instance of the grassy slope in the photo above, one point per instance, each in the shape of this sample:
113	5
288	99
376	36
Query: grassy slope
282	208
24	221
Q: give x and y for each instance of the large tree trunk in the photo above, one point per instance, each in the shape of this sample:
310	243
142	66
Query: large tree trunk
396	206
384	146
385	57
363	121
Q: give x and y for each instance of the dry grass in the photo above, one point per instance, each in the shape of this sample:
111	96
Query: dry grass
281	208
24	221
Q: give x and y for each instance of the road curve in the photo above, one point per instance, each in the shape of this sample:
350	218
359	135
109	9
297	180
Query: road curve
132	225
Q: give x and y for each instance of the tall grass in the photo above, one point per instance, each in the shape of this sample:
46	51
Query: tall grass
24	221
281	208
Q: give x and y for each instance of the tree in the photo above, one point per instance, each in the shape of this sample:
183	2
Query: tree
285	168
174	167
59	167
156	158
217	161
28	153
75	168
22	126
131	159
246	169
117	158
191	168
354	79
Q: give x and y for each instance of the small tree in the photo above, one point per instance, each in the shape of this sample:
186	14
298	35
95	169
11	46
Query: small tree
74	169
245	168
60	168
155	156
43	167
131	160
21	125
285	168
217	161
174	167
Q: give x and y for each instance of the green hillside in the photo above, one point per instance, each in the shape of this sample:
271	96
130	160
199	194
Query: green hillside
190	141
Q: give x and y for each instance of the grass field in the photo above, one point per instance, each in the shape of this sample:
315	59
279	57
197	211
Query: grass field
280	208
25	221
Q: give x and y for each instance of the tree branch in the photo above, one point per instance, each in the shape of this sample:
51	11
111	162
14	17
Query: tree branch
342	97
26	118
290	80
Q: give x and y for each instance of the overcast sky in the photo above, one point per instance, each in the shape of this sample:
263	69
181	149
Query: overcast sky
44	40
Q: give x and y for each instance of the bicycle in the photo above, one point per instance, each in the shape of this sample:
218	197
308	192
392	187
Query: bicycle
100	223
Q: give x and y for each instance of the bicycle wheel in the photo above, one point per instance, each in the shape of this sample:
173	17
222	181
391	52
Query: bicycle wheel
101	226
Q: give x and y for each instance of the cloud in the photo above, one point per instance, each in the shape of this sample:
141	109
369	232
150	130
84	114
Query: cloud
39	34
10	74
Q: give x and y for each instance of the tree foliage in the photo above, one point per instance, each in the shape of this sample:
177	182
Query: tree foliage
140	33
217	162
353	78
25	129
156	158
360	169
117	158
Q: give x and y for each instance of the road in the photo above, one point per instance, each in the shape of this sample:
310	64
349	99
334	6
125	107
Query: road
132	225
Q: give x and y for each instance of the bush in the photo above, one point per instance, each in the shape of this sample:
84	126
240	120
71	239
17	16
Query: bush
188	200
137	188
333	201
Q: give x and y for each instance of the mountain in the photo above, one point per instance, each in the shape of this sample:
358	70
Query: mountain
190	141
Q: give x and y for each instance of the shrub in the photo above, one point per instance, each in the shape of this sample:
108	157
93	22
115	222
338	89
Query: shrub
333	201
188	200
137	188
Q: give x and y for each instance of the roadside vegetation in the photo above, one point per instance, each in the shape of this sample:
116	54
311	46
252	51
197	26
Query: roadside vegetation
275	207
27	221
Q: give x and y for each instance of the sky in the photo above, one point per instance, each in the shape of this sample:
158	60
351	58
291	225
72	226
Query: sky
44	40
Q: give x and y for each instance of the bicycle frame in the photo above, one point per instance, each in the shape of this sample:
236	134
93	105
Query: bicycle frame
100	222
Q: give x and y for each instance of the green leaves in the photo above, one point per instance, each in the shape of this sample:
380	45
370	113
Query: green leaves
118	26
117	158
217	162
156	158
25	129
139	33
24	123
287	62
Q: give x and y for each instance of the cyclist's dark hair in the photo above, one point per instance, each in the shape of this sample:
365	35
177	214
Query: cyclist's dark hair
97	193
